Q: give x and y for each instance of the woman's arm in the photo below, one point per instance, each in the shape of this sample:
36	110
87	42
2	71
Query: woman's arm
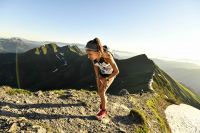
112	62
96	70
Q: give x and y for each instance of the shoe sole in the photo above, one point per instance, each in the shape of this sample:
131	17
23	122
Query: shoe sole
100	117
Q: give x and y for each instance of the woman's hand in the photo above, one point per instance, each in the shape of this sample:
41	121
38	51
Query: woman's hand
100	80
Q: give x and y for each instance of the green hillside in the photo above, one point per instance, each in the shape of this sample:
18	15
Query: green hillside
172	89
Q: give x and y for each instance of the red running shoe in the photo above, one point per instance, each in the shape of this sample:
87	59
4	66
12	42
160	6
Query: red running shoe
101	114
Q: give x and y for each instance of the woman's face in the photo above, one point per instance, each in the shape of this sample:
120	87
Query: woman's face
92	55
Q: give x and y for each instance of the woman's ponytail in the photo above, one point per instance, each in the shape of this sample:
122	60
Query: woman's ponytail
98	42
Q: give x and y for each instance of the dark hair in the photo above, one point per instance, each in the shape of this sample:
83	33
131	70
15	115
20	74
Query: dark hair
105	48
93	45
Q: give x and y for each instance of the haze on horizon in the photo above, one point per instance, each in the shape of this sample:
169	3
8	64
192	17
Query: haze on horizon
164	29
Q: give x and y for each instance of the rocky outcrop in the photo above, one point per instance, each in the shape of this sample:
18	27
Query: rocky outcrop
183	118
69	111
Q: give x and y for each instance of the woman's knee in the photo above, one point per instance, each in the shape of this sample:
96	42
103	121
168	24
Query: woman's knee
101	92
104	86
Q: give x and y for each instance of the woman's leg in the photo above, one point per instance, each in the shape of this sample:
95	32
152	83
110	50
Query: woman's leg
102	91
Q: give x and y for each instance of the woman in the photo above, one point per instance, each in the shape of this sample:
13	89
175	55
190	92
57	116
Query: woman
105	70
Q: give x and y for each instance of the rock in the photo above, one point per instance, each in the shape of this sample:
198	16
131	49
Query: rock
137	117
17	101
60	131
39	129
4	89
39	111
183	118
5	107
123	92
50	94
82	110
70	120
22	124
82	131
106	120
56	96
27	101
39	93
103	127
13	128
69	94
122	130
22	119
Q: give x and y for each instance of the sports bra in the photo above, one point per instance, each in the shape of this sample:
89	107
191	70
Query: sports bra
105	68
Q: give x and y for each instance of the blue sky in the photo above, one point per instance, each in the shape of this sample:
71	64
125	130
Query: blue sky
158	28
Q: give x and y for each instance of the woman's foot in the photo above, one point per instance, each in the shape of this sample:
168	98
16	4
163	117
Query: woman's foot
102	113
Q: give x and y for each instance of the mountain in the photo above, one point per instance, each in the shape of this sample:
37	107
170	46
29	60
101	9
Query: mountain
20	45
187	73
170	64
53	89
49	66
16	45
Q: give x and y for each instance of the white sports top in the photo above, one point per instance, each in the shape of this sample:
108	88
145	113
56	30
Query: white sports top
105	68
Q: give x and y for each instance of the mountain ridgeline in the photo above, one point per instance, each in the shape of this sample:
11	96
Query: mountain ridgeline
52	67
16	45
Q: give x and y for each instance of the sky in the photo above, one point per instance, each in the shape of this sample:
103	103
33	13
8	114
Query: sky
158	28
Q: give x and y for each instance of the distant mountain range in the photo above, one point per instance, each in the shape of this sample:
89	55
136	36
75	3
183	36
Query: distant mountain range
19	45
16	45
187	73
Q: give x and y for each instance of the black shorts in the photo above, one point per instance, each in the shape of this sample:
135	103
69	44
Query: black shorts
104	75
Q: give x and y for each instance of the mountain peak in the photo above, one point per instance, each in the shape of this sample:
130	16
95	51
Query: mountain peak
140	57
51	47
54	48
16	39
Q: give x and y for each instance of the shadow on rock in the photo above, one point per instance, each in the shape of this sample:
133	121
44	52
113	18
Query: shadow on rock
134	117
40	116
40	105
